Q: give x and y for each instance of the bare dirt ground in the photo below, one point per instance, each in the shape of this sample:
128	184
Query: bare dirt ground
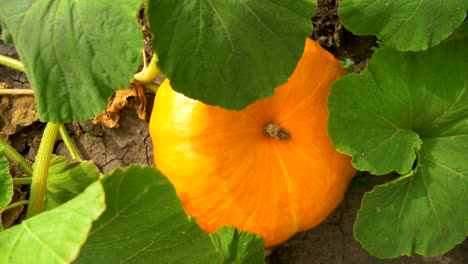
332	242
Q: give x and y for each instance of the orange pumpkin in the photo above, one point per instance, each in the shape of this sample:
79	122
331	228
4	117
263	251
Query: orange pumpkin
269	169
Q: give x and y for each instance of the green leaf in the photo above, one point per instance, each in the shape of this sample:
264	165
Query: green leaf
406	103
404	24
238	246
54	236
76	54
67	179
229	53
424	213
6	184
144	222
6	35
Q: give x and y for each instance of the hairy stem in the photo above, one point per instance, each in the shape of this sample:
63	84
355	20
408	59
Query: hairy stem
14	156
12	63
17	204
148	74
69	143
41	169
21	181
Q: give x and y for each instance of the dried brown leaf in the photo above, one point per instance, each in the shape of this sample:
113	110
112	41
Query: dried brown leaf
133	97
16	112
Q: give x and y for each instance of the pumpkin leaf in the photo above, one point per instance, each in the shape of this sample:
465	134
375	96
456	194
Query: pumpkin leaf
238	246
73	58
404	25
408	112
6	184
145	217
229	53
54	236
67	178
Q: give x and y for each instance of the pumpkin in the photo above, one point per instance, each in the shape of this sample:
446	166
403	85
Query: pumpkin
269	169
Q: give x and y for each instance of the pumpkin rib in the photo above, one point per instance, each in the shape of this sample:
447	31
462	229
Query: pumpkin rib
291	112
257	210
227	171
307	157
297	106
289	186
247	115
310	68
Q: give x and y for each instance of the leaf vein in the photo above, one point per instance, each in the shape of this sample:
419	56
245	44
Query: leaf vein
137	252
449	109
249	9
431	205
43	244
459	174
395	33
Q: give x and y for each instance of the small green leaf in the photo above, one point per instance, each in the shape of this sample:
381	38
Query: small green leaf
6	35
229	53
6	184
54	236
76	54
67	178
238	246
144	222
404	24
403	104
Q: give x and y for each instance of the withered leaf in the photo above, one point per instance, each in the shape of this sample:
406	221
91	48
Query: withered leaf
133	97
16	112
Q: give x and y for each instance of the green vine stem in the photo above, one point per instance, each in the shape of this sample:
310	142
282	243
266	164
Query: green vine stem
151	86
148	74
12	63
14	156
17	204
69	143
21	181
41	169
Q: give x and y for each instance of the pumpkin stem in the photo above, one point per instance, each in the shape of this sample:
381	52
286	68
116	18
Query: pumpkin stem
273	130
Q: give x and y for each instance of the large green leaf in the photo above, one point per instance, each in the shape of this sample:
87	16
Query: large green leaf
238	246
76	53
54	236
6	184
229	53
407	103
145	222
404	24
67	178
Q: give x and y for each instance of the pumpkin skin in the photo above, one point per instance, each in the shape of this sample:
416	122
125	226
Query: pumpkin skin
227	169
